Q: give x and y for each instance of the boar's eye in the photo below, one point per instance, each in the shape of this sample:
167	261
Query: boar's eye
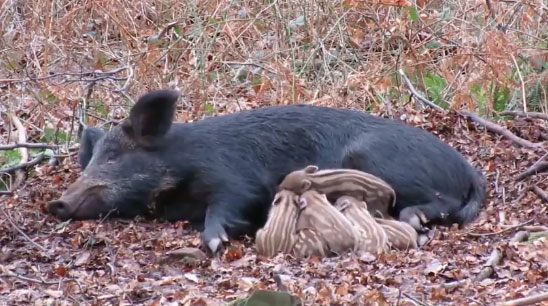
112	157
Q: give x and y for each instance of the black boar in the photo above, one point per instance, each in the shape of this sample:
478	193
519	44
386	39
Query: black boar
221	173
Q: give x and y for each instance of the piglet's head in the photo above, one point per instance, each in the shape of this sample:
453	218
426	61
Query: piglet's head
298	181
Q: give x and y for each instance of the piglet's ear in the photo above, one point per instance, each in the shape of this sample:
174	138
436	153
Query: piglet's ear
306	185
151	116
311	169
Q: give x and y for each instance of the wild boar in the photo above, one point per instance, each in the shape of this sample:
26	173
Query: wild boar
221	173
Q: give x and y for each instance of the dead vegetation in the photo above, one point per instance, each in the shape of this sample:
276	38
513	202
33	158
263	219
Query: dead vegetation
66	64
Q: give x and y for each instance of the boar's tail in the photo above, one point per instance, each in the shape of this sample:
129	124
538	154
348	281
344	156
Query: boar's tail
475	198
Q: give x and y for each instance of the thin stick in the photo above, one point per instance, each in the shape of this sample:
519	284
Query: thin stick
416	94
29	279
490	126
511	227
534	115
103	75
22	138
524	99
27	145
7	216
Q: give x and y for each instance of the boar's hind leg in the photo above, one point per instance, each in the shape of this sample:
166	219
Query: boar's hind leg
90	136
434	212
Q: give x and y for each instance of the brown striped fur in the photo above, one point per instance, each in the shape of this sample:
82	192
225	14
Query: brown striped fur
318	214
338	182
278	233
372	238
310	243
401	236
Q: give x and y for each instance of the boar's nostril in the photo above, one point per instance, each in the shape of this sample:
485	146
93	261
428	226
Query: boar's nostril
58	208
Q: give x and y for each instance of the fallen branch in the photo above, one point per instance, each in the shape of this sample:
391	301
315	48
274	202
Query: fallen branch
31	163
527	300
490	126
536	228
416	94
27	145
20	231
495	128
520	236
541	193
534	169
534	115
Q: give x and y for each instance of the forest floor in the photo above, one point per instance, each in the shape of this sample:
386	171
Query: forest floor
87	63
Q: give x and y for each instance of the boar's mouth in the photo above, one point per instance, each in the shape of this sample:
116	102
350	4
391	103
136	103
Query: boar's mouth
80	202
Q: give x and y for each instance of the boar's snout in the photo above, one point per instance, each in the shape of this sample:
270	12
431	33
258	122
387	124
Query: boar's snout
59	209
82	200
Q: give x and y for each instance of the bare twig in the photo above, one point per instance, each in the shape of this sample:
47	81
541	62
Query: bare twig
495	128
524	99
7	216
22	138
511	227
534	115
27	145
100	74
541	193
528	300
534	169
28	279
31	163
416	94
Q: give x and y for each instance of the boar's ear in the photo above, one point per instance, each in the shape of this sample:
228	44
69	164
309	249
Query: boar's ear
90	136
311	169
151	116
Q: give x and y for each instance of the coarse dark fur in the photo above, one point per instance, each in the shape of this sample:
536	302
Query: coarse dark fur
222	172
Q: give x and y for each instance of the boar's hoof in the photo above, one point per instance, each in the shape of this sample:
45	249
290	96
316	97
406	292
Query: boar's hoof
59	209
213	238
414	217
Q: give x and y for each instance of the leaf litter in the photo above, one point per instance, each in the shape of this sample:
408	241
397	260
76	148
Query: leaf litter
155	262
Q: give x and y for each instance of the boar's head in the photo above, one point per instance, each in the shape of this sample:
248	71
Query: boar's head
123	167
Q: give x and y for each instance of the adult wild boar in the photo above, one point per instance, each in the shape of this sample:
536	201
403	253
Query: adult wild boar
221	173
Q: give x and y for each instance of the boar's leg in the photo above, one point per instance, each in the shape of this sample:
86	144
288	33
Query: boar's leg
224	218
434	212
90	136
